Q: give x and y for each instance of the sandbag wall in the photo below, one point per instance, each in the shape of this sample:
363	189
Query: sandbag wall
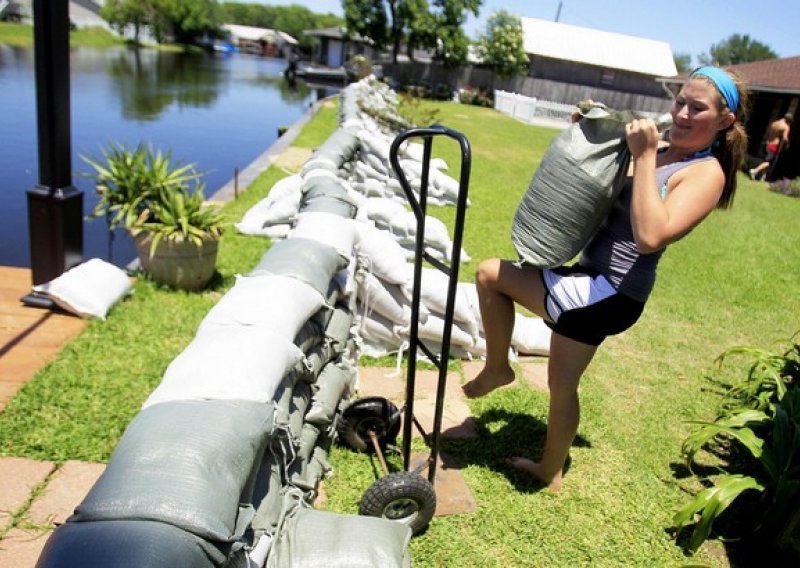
242	419
357	157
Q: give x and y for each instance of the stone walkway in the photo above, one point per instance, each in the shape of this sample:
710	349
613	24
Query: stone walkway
36	496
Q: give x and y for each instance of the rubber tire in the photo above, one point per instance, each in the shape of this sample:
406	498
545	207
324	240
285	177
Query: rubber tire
373	412
403	496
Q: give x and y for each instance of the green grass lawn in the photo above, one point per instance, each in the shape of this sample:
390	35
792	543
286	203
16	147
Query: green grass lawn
735	280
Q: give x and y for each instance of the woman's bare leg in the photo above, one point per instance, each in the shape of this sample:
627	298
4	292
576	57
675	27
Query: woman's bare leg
499	285
568	360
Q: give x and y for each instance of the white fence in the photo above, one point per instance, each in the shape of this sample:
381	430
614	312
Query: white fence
529	109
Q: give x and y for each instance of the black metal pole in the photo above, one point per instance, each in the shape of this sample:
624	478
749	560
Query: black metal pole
55	206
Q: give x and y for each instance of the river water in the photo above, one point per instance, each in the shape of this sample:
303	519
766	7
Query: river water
217	111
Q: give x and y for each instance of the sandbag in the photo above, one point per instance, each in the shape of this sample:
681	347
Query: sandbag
572	191
128	544
281	302
318	539
185	464
228	363
327	228
334	383
307	260
386	258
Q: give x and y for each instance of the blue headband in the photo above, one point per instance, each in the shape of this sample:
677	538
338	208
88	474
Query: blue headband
723	82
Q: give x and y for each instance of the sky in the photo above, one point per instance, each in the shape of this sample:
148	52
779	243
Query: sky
689	27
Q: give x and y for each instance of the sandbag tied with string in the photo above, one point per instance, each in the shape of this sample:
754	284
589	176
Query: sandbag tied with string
578	179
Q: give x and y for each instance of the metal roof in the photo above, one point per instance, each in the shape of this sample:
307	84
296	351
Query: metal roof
596	47
251	33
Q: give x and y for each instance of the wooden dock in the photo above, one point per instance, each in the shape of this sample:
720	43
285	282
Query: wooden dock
29	337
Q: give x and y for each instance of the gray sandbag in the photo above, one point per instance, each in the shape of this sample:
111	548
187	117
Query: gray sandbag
309	538
338	328
329	204
308	336
128	544
307	474
184	463
315	360
270	494
304	259
308	439
572	191
334	383
301	399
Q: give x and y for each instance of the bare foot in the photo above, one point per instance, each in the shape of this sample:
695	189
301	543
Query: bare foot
485	382
553	483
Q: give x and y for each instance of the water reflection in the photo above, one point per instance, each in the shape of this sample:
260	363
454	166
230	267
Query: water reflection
219	113
147	82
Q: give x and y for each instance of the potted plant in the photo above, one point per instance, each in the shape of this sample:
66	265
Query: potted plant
161	205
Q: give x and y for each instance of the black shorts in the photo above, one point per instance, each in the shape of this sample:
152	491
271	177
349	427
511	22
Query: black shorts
584	305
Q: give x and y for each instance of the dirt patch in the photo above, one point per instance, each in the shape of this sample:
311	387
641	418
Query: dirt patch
292	159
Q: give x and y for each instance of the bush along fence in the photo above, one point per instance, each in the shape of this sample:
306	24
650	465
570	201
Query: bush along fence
222	463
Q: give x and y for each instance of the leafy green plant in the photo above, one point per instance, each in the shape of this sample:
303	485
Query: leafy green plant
142	190
762	417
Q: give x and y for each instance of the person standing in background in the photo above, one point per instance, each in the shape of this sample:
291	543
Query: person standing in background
777	141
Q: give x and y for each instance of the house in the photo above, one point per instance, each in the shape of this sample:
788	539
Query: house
261	41
336	47
595	58
82	13
775	90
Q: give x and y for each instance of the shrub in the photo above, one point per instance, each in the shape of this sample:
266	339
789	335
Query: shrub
479	97
759	419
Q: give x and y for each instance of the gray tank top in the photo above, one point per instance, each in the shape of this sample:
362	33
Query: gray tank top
612	250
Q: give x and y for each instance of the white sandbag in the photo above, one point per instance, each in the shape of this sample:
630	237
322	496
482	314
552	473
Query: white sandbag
228	363
413	150
470	291
383	210
439	164
478	349
275	231
433	293
385	256
327	228
433	329
379	330
280	302
89	289
374	188
319	173
412	169
266	212
376	162
374	297
530	336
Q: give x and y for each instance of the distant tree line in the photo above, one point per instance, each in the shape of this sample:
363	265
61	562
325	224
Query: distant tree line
733	50
184	21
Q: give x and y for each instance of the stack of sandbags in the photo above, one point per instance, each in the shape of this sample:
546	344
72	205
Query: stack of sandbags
246	410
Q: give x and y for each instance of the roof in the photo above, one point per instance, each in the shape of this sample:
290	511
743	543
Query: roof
596	47
251	33
770	75
336	32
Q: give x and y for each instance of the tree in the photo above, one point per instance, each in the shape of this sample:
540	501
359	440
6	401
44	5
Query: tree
737	49
503	45
436	26
683	62
120	13
185	20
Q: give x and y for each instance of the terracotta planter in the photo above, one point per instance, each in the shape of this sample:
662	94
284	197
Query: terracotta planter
178	264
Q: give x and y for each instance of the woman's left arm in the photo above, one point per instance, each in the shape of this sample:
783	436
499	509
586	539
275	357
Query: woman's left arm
692	196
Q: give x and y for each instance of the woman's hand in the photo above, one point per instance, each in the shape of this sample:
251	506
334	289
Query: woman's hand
642	136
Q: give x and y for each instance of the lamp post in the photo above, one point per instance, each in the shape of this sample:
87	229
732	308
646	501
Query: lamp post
55	206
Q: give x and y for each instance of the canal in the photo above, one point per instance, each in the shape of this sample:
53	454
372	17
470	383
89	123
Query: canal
217	111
